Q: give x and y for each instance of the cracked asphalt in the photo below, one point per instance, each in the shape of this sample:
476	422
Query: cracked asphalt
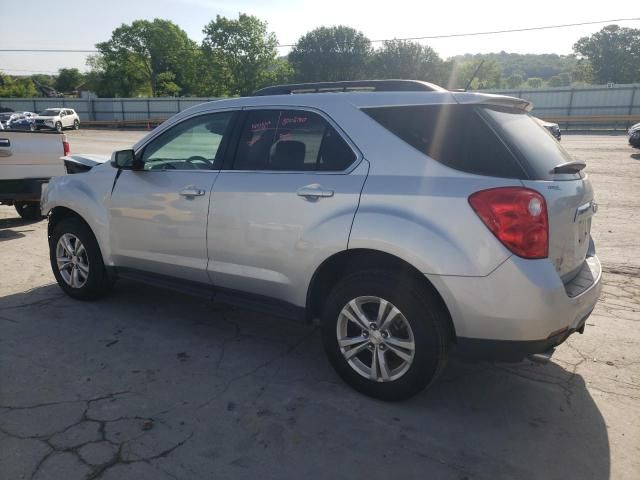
153	384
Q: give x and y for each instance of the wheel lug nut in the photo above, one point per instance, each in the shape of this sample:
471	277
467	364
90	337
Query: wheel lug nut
385	334
381	346
370	346
373	326
365	334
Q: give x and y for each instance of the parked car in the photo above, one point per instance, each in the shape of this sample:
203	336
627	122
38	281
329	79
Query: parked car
57	119
634	135
412	221
8	120
5	119
23	121
27	163
553	128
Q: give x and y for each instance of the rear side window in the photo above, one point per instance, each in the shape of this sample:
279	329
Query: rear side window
290	140
454	135
539	152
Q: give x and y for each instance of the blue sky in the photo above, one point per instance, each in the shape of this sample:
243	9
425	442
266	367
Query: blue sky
80	24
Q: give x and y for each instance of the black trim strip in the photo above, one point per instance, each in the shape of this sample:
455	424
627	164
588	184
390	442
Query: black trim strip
237	298
510	350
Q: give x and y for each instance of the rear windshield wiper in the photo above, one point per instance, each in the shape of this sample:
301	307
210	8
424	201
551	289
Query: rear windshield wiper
569	167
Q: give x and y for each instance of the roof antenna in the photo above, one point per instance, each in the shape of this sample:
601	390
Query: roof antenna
473	77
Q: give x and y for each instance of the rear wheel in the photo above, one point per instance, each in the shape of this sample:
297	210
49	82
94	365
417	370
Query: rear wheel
29	210
32	127
385	335
76	125
76	260
59	127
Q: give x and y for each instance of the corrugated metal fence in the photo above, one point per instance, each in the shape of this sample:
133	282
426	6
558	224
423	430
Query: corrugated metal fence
108	109
572	107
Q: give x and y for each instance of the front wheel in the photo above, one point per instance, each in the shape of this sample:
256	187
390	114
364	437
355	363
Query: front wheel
76	260
385	335
29	210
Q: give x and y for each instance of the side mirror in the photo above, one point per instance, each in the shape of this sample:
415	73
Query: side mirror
126	160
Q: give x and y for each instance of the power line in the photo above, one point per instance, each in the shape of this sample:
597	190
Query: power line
426	37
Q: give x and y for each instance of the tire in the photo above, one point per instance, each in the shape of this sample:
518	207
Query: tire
76	125
29	210
32	127
418	308
90	284
59	127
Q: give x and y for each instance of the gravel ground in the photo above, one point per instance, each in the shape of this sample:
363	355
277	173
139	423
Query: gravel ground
150	384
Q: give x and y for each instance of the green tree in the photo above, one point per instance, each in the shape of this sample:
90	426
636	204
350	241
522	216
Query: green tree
535	82
44	79
68	80
488	76
555	81
583	73
331	54
166	85
16	87
514	81
113	79
241	55
144	50
405	59
614	54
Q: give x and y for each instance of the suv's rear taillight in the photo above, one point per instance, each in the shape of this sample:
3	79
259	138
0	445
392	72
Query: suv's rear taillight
65	146
517	217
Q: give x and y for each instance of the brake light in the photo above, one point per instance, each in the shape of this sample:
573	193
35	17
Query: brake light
65	146
517	217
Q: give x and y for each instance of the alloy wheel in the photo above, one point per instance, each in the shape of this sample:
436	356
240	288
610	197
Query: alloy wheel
72	260
375	338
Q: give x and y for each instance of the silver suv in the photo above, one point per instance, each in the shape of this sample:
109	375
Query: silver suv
414	222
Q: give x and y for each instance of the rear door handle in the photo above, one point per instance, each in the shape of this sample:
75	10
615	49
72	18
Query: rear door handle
314	191
192	191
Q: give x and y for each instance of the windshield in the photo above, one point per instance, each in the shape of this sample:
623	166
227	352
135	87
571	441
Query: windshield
5	116
49	112
536	148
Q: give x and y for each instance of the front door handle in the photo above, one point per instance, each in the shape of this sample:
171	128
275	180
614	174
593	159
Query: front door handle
192	191
314	191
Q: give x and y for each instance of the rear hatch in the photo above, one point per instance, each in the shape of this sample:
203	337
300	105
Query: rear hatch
560	179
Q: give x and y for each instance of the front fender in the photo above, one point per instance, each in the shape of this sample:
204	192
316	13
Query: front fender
88	195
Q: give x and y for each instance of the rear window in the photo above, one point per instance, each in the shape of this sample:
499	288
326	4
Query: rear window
454	135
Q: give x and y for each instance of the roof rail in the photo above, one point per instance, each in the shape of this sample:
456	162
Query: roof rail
349	86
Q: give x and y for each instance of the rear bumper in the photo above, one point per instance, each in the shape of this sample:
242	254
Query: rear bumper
511	350
521	308
22	190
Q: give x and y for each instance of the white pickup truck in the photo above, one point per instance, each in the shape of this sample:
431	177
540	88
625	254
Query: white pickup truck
27	163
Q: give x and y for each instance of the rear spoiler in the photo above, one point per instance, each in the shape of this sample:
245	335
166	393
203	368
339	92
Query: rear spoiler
468	98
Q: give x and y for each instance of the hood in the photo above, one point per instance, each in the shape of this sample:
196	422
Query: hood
83	162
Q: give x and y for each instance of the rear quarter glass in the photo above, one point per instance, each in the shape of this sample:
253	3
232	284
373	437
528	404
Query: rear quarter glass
454	135
536	149
480	140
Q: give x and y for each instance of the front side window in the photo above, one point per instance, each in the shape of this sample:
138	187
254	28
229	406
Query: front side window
193	144
290	140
